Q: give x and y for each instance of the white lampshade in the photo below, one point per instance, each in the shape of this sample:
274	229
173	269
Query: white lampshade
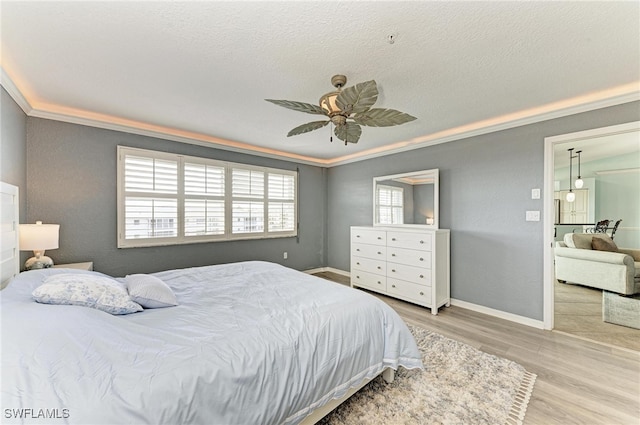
38	238
579	183
571	197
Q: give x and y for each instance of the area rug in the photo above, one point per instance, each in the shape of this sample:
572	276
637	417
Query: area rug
460	385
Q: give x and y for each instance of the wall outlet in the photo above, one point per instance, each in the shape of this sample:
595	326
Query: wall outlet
285	255
535	193
532	216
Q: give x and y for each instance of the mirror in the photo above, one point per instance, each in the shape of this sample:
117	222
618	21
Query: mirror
409	199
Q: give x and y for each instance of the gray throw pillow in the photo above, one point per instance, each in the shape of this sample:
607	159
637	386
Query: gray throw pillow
149	291
604	244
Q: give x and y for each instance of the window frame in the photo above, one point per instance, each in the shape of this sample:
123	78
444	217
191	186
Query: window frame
181	196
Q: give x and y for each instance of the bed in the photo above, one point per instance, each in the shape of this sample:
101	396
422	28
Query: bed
248	343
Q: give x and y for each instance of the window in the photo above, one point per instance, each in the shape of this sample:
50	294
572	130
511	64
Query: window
389	205
166	199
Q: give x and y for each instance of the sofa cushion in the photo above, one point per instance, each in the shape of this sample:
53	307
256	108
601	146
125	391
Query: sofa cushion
602	244
584	240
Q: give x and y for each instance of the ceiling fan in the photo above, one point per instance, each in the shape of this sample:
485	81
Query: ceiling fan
347	109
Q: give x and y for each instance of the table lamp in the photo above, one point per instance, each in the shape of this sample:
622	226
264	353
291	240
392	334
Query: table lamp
38	238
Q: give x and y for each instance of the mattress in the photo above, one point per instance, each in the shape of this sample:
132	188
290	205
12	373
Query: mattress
249	343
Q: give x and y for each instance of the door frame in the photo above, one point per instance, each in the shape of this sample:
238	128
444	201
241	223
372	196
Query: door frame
548	204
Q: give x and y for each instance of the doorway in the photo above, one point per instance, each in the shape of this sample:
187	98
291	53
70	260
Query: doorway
549	203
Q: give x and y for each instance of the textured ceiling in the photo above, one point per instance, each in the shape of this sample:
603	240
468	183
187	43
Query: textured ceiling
201	70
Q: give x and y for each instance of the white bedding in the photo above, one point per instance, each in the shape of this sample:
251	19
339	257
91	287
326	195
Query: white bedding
249	343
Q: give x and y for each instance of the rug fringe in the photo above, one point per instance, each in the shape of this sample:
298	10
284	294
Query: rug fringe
523	395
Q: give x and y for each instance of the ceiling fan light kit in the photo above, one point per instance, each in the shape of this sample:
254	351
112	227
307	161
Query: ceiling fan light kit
340	105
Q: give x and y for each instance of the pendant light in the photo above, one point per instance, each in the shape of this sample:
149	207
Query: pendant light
579	182
571	196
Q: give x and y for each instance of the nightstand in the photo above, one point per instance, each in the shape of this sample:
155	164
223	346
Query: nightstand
81	266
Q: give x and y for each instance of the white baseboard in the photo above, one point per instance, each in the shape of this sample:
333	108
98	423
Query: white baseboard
539	324
328	269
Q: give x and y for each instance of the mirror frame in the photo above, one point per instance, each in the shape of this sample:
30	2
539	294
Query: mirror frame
435	174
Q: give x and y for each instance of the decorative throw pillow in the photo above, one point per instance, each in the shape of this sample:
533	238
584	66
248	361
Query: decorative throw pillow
150	292
604	244
99	292
578	240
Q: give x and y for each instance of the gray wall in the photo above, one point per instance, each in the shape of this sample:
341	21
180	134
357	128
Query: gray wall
485	189
13	151
71	180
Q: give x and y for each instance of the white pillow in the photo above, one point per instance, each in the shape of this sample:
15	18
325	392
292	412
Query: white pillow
149	291
87	290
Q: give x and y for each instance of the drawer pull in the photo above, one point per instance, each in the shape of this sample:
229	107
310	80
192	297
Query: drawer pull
421	259
379	268
393	255
379	283
379	253
393	239
379	238
421	241
358	263
393	286
421	276
357	236
357	277
421	293
393	270
358	249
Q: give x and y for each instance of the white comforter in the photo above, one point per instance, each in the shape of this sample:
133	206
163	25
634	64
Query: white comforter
250	343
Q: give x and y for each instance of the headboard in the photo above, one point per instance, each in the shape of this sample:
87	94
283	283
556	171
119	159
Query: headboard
9	249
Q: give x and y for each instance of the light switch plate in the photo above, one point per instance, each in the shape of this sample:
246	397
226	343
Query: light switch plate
532	216
535	193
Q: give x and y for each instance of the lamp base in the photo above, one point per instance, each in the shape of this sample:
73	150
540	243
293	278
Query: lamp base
41	262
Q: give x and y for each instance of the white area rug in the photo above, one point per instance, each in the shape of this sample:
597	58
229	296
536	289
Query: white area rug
460	385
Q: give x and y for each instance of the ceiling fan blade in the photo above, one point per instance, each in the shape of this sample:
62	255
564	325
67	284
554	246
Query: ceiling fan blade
380	117
298	106
305	128
349	132
358	98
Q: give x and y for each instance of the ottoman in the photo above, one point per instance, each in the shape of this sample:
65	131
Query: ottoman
621	310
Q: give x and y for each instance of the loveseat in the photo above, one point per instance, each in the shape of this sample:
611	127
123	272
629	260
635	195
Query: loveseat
582	259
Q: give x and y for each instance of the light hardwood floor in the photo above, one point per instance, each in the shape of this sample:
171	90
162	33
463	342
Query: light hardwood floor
579	382
578	311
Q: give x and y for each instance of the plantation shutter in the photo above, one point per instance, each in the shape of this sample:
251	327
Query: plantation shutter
166	198
151	197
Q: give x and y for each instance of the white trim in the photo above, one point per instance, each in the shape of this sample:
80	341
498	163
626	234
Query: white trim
143	129
548	222
458	303
14	92
498	313
328	269
623	171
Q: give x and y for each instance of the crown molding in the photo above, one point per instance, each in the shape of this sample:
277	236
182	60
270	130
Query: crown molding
626	94
481	128
14	92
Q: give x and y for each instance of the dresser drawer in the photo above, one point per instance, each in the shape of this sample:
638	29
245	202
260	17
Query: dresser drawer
421	241
411	291
372	265
369	251
410	257
373	237
413	274
368	280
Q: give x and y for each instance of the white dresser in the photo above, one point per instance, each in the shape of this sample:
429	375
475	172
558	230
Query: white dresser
406	263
